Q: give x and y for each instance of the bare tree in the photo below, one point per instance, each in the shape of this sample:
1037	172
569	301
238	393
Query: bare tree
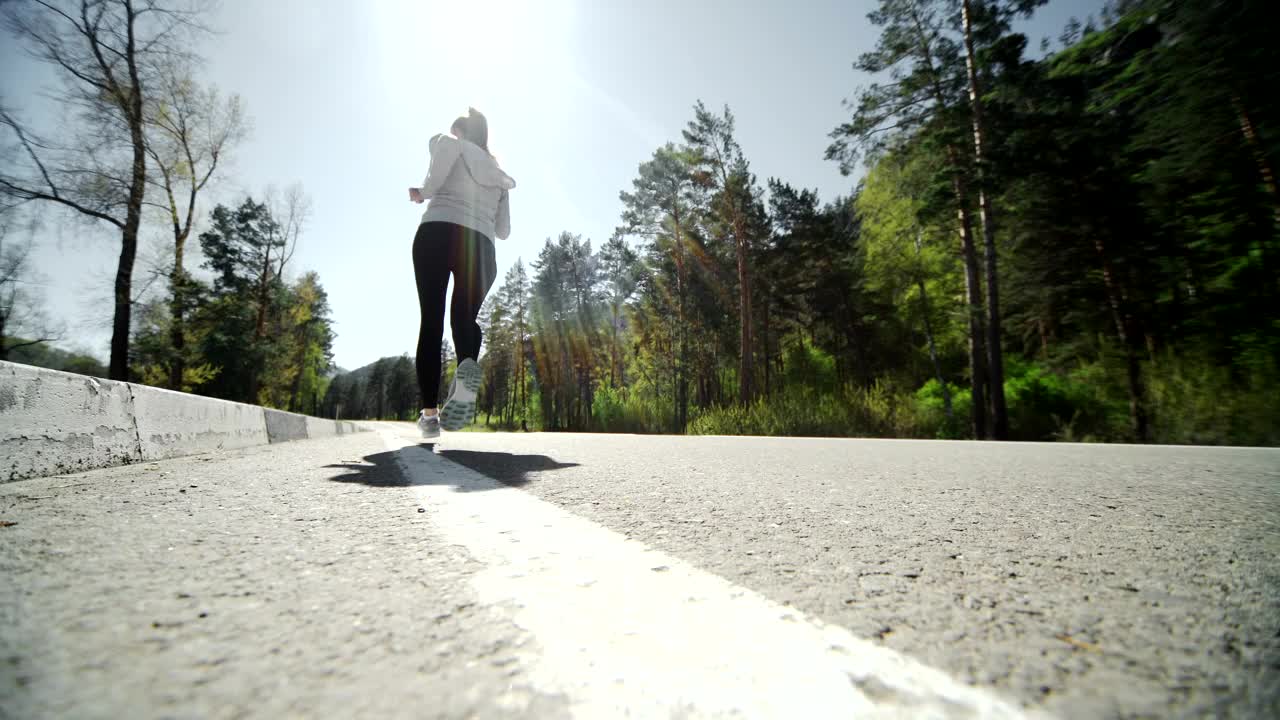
291	210
22	320
287	215
105	53
189	130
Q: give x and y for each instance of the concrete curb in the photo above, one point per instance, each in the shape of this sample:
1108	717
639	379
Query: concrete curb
284	426
54	422
171	423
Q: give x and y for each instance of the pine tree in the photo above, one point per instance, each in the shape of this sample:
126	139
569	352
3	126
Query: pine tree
723	169
564	312
662	209
619	267
402	389
926	95
513	295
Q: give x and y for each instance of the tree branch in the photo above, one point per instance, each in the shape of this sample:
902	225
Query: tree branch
8	119
26	194
113	87
29	343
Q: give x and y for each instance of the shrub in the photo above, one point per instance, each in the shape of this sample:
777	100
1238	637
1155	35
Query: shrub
877	411
1193	401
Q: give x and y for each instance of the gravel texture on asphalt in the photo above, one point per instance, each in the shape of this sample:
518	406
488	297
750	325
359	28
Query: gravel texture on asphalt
290	580
301	579
1090	581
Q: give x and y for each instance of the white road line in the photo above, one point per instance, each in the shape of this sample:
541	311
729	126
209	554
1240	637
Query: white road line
622	630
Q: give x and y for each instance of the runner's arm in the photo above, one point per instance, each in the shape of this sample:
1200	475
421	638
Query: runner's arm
444	153
502	227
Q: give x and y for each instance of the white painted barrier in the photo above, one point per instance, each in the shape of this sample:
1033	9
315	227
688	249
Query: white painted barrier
171	424
54	422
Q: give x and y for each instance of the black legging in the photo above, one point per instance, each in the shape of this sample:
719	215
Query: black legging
441	248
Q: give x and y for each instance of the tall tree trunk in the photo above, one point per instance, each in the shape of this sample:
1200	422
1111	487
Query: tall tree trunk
260	327
119	364
119	369
264	283
510	396
177	287
1268	177
177	327
746	360
613	346
973	283
933	352
1123	319
682	380
1265	172
973	290
746	364
995	359
768	358
928	333
520	371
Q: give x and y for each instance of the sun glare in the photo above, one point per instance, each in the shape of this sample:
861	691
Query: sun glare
481	52
491	35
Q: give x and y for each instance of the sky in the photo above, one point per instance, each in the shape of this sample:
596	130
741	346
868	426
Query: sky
343	97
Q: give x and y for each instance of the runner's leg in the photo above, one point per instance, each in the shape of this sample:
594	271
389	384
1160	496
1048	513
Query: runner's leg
431	272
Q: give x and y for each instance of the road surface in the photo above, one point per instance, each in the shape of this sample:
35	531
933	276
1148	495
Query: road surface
558	575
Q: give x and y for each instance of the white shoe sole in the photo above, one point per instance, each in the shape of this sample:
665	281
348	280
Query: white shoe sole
460	410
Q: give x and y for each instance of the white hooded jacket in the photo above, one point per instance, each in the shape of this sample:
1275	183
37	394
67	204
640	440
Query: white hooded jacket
465	186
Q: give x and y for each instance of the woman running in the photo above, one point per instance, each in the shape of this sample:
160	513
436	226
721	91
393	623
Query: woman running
467	205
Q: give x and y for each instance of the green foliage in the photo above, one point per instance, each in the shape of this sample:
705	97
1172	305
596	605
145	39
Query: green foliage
386	389
192	376
249	335
1117	243
1138	235
567	333
616	410
932	409
809	367
1045	405
1195	401
46	356
814	402
877	411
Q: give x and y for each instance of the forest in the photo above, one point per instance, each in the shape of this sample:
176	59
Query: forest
1078	247
1074	242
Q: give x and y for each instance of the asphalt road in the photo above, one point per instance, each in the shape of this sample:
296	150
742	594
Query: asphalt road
302	580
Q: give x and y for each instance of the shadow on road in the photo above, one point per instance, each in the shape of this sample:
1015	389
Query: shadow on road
381	469
508	469
376	470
